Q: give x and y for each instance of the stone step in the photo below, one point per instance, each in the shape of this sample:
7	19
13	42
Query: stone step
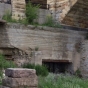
16	82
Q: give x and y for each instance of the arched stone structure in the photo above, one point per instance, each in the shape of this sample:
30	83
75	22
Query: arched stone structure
69	12
78	15
58	8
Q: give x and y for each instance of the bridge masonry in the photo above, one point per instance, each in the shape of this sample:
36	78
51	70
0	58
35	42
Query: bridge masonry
57	8
69	12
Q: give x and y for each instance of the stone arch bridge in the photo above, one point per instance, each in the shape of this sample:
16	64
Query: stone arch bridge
53	44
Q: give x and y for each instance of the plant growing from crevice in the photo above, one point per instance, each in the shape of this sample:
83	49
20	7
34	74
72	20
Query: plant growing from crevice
36	49
33	51
78	73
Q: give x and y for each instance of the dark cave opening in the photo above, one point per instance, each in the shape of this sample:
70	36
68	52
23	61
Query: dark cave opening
58	66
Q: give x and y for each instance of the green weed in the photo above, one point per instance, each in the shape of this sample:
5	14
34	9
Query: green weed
61	81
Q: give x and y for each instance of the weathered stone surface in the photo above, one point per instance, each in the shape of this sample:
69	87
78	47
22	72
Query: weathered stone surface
58	8
4	87
52	43
18	9
84	59
64	11
16	82
17	87
4	8
20	72
77	15
24	87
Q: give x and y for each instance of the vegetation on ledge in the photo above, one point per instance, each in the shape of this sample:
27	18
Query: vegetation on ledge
31	13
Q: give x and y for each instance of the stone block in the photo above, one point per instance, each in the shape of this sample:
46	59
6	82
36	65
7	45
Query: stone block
17	87
4	87
17	82
20	72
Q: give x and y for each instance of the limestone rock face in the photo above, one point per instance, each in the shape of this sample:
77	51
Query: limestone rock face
20	72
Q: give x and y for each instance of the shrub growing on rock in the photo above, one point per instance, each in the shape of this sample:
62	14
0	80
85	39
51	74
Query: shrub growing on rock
31	12
41	70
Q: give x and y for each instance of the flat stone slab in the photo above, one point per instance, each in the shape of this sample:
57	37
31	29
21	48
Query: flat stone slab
24	87
17	87
4	87
17	82
19	72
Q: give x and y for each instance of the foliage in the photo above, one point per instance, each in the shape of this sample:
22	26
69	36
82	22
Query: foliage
62	81
41	70
50	22
36	48
31	12
8	18
28	65
78	73
23	21
4	64
1	76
